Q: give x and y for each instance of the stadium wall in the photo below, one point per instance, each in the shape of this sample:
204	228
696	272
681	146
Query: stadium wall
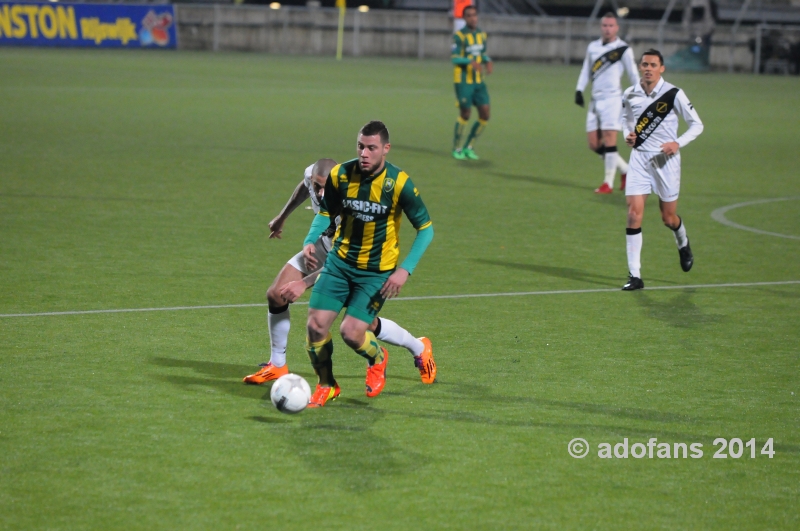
302	31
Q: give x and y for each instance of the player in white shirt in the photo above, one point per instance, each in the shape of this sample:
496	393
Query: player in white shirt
302	267
606	58
650	124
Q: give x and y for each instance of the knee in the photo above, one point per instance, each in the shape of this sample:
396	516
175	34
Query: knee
671	221
353	338
316	329
274	297
634	217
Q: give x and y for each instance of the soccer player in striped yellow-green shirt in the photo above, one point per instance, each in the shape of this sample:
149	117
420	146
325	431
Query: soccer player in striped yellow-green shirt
470	62
370	195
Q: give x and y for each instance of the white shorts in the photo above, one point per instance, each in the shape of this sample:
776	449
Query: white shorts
652	171
321	248
605	115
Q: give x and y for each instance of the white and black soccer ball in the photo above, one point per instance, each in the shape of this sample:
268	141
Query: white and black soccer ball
290	393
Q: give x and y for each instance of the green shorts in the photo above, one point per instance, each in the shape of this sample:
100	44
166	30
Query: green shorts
341	284
471	94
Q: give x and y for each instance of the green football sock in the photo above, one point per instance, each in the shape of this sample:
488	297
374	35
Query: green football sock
320	355
475	132
370	349
461	124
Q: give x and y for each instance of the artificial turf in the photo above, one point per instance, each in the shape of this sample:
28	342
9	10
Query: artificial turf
146	180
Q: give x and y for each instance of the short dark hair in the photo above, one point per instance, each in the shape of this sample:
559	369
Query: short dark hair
376	127
464	11
610	14
653	51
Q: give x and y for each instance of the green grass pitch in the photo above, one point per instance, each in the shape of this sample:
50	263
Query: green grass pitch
146	180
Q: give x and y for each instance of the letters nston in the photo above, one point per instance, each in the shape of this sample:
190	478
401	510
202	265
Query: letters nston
94	25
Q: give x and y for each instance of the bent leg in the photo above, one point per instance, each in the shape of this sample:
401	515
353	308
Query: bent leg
390	332
278	318
319	344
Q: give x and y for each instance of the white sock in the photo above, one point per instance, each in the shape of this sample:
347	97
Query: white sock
622	166
610	160
680	236
634	246
394	334
279	324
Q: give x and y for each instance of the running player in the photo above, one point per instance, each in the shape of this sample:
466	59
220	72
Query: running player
605	60
651	109
370	195
470	59
300	269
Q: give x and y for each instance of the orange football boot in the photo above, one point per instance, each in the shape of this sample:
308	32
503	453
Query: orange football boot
376	376
425	363
267	373
323	394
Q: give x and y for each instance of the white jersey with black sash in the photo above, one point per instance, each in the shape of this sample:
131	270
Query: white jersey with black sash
654	117
604	65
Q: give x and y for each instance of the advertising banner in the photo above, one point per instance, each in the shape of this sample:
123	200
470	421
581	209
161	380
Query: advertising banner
94	25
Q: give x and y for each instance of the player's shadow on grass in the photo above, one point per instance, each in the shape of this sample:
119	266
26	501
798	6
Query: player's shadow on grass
679	311
339	441
210	368
541	180
560	272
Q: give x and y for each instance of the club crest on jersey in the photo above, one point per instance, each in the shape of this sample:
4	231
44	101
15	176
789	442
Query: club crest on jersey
388	184
662	107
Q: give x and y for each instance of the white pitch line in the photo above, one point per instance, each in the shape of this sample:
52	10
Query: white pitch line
719	215
422	298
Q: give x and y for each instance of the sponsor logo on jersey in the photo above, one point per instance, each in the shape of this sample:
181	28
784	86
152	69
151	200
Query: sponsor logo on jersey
646	123
603	62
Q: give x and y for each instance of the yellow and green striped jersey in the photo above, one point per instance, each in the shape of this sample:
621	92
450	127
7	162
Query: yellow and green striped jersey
468	45
371	208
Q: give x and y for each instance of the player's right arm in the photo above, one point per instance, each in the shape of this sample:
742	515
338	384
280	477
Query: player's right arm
583	80
458	55
298	197
628	119
294	290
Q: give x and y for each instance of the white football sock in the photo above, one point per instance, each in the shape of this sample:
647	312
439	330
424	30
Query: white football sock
680	236
610	160
394	334
634	246
622	166
279	324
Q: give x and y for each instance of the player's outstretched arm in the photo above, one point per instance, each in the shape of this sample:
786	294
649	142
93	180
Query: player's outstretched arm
298	197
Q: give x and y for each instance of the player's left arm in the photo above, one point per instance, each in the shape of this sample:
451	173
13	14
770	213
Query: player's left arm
629	62
485	59
686	110
417	213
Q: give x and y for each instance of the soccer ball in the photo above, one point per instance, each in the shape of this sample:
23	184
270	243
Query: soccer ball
290	393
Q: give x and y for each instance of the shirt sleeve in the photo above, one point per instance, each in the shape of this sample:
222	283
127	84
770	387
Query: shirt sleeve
629	62
411	203
485	58
457	53
628	119
686	110
583	78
